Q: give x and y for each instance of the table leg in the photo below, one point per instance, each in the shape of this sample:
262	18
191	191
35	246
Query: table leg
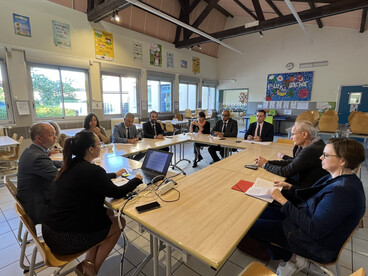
155	256
168	260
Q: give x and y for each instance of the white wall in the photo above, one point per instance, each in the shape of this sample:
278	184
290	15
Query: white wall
346	51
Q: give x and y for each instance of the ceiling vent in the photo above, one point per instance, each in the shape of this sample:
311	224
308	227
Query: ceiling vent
313	64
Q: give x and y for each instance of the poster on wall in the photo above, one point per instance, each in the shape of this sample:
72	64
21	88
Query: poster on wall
183	63
170	60
137	51
61	33
324	106
196	65
289	86
156	54
22	25
104	45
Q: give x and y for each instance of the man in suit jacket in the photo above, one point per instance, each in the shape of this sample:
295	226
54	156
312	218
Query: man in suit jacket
226	127
125	132
305	168
260	130
36	172
153	130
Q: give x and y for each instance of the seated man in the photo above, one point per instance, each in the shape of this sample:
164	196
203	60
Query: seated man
260	130
37	171
305	168
126	132
153	130
226	127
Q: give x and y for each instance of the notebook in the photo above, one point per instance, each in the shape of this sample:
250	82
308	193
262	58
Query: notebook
155	165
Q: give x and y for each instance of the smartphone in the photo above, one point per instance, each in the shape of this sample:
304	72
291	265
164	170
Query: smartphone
147	207
222	138
251	166
237	141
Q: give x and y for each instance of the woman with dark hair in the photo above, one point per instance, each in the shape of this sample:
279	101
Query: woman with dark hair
314	222
76	219
91	123
202	127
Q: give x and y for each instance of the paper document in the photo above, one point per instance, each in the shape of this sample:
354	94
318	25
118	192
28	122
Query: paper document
256	142
260	189
120	181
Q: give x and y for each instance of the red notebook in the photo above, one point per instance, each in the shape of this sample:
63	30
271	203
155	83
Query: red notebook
242	186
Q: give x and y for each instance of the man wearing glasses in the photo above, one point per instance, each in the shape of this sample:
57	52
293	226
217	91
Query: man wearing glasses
305	168
226	127
260	130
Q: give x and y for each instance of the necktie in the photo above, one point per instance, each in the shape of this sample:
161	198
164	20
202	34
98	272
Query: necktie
259	130
128	133
154	128
224	127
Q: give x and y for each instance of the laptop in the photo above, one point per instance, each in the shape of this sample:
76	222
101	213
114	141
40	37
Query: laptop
155	165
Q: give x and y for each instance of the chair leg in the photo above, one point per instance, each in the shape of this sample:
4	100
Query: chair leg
33	261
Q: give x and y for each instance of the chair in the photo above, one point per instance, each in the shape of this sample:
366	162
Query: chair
178	117
9	160
285	141
161	124
359	272
310	115
208	113
50	259
170	128
328	123
330	112
256	269
196	112
188	114
359	123
351	116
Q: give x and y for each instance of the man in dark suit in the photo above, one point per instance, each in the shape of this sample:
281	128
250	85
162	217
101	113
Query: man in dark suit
226	127
153	130
36	172
305	168
260	130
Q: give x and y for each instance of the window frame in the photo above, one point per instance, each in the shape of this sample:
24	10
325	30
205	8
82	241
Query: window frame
160	77
138	92
59	68
214	96
196	96
7	94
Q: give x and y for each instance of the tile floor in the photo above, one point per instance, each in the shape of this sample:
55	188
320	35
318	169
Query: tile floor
354	256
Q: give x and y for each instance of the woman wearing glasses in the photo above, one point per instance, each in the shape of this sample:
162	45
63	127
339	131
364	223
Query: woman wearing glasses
77	220
315	222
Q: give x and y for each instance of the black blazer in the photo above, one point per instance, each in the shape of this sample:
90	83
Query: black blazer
206	128
267	131
231	129
303	170
149	132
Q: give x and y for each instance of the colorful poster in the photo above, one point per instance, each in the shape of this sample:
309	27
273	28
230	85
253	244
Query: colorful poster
183	63
61	34
289	86
137	51
156	55
104	45
196	65
22	25
170	60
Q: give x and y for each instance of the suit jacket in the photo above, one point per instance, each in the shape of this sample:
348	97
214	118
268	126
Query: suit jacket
36	171
231	129
149	132
266	134
303	170
120	135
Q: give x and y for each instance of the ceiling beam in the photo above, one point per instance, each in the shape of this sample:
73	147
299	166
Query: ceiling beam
286	20
318	20
273	6
100	11
240	4
364	20
258	9
221	9
315	1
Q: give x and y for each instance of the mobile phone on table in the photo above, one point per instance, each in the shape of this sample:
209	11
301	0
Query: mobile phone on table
251	166
148	207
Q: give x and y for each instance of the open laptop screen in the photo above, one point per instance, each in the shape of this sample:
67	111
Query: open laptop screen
157	161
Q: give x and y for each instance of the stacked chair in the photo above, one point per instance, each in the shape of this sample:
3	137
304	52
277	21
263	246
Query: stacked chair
329	123
359	123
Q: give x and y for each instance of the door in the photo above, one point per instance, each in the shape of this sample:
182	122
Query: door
344	106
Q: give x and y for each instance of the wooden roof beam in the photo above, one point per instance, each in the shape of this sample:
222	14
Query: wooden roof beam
258	9
318	20
100	11
221	9
273	6
364	20
240	4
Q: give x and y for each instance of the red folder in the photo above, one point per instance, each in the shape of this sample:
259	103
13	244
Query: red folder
242	186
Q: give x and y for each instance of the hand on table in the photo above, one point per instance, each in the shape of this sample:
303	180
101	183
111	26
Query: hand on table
282	184
53	151
133	140
160	136
276	195
120	172
280	155
138	176
260	161
257	138
250	137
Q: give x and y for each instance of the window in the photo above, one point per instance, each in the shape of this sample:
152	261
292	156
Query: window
208	97
119	94
59	92
187	96
159	95
5	112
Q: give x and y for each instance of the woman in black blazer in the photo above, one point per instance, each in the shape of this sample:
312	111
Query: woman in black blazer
203	127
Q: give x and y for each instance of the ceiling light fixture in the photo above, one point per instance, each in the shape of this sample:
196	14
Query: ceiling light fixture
199	47
117	18
261	34
178	22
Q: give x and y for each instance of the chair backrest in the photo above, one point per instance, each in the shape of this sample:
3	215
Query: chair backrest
330	112
328	123
256	269
170	127
351	116
359	272
309	115
161	124
285	141
12	188
188	113
208	113
197	111
15	136
178	116
359	123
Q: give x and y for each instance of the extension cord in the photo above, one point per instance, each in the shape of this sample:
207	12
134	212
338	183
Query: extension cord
165	188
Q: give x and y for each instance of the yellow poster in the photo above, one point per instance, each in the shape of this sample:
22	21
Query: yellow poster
104	45
196	65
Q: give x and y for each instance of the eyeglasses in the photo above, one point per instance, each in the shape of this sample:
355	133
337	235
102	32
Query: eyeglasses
325	155
295	133
100	145
225	115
